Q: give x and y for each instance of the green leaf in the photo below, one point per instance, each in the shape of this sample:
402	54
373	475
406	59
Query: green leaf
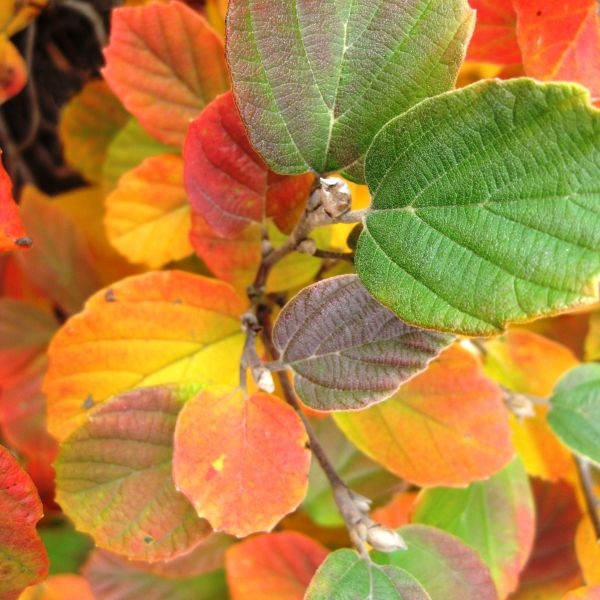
485	207
346	576
130	147
575	413
495	517
113	477
67	549
360	473
315	81
444	565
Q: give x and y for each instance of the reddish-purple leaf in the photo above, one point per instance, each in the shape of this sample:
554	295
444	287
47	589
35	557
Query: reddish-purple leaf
348	351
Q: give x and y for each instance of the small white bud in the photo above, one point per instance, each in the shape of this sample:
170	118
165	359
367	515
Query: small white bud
385	539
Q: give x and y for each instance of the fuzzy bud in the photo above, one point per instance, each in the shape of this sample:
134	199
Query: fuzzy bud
385	539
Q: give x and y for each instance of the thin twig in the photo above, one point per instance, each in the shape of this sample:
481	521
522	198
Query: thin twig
328	254
592	502
32	96
353	507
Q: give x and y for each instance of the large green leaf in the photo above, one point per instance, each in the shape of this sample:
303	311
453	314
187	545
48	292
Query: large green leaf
315	81
495	517
346	576
575	413
485	207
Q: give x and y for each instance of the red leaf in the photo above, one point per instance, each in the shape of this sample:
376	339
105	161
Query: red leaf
227	181
242	462
12	233
494	39
560	40
24	560
277	566
165	63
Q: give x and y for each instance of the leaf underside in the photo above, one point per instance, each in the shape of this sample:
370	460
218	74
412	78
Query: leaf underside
347	350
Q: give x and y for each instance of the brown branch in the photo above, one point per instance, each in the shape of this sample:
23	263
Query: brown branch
353	507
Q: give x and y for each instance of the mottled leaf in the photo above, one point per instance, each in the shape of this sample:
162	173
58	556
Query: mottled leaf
242	462
346	576
23	560
88	124
115	578
447	426
560	40
127	150
277	566
360	473
165	63
495	517
494	38
469	231
60	262
148	214
315	81
444	565
575	411
113	477
228	183
12	233
348	351
530	364
152	329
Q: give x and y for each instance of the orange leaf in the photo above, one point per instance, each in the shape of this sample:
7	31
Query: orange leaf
13	72
531	364
584	593
85	206
277	566
447	426
228	182
88	124
216	11
242	462
165	63
24	560
396	512
494	38
12	233
60	587
148	214
560	40
588	551
151	329
60	262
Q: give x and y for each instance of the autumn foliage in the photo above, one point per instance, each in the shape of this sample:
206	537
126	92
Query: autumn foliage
321	320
